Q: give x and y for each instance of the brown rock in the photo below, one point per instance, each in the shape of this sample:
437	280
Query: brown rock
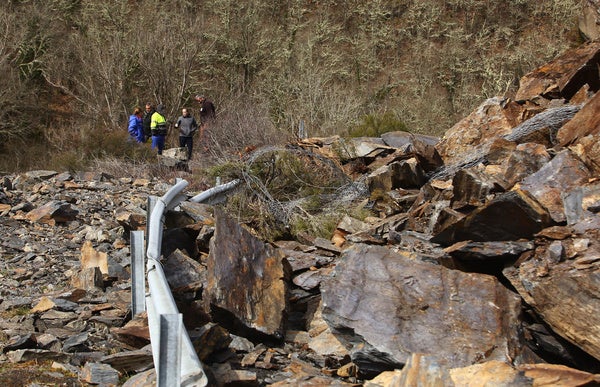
588	150
404	306
131	220
589	20
91	258
422	370
564	76
509	216
130	361
247	278
563	174
226	376
471	187
208	339
491	373
183	273
525	160
493	118
585	122
52	212
557	375
43	305
135	332
97	373
87	279
565	297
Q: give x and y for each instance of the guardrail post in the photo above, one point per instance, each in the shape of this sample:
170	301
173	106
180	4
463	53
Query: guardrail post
151	203
138	282
169	364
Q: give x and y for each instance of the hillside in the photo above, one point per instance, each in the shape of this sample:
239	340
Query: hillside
73	70
462	261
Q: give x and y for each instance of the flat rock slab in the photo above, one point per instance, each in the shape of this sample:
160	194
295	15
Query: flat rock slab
401	306
246	278
566	297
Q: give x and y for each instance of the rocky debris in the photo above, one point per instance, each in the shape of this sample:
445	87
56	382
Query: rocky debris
478	261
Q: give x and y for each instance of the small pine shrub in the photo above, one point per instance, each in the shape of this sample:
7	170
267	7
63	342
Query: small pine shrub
374	125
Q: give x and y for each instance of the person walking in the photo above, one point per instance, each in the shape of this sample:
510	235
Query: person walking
158	127
147	121
187	127
208	114
135	127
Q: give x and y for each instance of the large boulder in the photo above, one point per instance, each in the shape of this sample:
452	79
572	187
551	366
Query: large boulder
495	117
563	174
509	216
247	282
399	306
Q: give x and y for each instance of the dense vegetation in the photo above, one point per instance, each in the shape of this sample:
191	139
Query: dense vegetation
72	70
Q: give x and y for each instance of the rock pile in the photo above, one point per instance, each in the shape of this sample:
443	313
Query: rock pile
480	262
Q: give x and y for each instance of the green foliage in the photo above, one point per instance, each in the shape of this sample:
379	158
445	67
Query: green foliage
322	225
288	175
374	125
285	191
226	171
20	311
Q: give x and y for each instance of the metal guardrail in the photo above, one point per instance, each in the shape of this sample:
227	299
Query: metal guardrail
175	360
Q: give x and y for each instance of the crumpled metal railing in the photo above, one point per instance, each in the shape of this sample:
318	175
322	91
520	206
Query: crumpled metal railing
160	301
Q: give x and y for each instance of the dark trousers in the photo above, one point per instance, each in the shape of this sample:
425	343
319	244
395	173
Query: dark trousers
187	142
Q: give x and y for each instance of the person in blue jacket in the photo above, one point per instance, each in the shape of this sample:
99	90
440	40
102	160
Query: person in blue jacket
136	128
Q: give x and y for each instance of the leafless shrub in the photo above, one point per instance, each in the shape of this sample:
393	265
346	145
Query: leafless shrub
242	125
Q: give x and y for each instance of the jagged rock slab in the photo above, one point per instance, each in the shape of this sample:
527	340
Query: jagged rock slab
564	76
566	297
400	306
246	278
525	160
472	187
488	251
400	139
589	20
98	373
130	361
509	216
183	272
563	174
55	211
493	118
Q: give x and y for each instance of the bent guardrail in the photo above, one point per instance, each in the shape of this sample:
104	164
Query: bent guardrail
175	360
160	301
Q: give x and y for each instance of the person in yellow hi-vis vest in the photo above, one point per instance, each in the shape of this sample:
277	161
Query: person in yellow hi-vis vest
158	126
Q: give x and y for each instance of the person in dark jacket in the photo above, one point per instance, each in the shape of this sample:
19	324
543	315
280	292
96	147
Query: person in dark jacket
208	114
187	127
147	121
135	128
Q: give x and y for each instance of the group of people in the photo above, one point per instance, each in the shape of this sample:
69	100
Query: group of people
152	124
